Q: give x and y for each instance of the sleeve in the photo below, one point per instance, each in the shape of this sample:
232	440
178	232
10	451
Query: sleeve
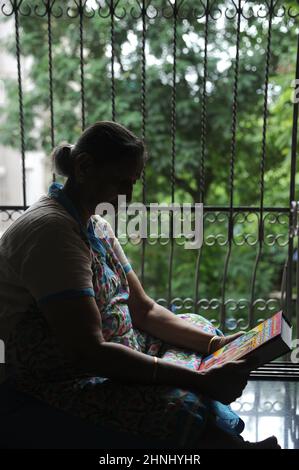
103	225
57	264
121	255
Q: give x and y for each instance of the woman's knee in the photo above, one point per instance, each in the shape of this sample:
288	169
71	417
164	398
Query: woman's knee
198	320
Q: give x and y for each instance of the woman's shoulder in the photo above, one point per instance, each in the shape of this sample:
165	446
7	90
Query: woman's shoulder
45	215
48	211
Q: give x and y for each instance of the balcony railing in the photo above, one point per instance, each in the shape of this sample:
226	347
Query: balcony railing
264	230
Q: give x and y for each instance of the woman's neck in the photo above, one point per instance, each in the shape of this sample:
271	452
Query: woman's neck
84	208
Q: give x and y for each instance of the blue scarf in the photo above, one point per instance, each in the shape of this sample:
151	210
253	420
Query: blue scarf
55	191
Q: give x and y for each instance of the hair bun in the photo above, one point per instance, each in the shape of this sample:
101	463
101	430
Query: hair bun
62	156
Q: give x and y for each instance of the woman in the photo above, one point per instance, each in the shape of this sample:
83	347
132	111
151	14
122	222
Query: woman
88	339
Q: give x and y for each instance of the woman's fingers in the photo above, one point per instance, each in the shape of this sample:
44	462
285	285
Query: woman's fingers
228	381
237	367
243	365
252	363
236	335
230	338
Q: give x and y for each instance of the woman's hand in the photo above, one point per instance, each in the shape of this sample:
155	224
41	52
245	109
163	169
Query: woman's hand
225	383
221	341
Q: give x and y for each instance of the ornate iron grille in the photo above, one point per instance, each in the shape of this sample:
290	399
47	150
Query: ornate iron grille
226	226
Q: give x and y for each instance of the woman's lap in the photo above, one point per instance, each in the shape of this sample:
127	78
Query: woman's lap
147	410
158	412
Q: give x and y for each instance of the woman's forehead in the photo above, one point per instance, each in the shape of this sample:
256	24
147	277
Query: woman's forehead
129	166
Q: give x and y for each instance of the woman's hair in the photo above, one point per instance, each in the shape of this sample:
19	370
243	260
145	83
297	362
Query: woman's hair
104	140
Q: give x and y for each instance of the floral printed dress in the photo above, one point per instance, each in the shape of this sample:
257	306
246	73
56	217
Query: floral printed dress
39	367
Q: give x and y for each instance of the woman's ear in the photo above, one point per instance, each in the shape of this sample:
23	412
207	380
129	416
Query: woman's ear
83	166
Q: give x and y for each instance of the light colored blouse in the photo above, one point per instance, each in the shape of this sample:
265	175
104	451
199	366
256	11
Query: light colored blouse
44	256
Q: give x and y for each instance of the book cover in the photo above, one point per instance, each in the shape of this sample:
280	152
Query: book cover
243	346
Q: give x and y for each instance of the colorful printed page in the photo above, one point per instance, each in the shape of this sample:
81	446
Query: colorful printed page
246	343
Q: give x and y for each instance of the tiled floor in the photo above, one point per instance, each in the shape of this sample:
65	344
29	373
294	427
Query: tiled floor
270	408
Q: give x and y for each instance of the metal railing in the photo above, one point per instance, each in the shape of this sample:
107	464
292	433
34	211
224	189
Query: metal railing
228	216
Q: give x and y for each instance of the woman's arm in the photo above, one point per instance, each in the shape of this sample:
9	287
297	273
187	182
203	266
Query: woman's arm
151	317
77	326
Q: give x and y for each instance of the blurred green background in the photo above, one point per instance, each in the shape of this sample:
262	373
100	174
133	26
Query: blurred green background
188	137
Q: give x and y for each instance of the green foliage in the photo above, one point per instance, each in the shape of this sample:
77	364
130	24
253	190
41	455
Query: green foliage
188	138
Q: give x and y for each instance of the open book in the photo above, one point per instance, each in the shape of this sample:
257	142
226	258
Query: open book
266	342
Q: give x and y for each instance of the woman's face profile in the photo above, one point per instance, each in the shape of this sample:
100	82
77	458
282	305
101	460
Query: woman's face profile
110	180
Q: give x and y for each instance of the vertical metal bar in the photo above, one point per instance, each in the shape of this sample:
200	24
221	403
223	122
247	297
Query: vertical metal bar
16	7
257	407
287	410
50	70
143	114
112	9
294	429
204	106
262	167
81	15
283	287
297	287
173	149
203	146
291	199
232	167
